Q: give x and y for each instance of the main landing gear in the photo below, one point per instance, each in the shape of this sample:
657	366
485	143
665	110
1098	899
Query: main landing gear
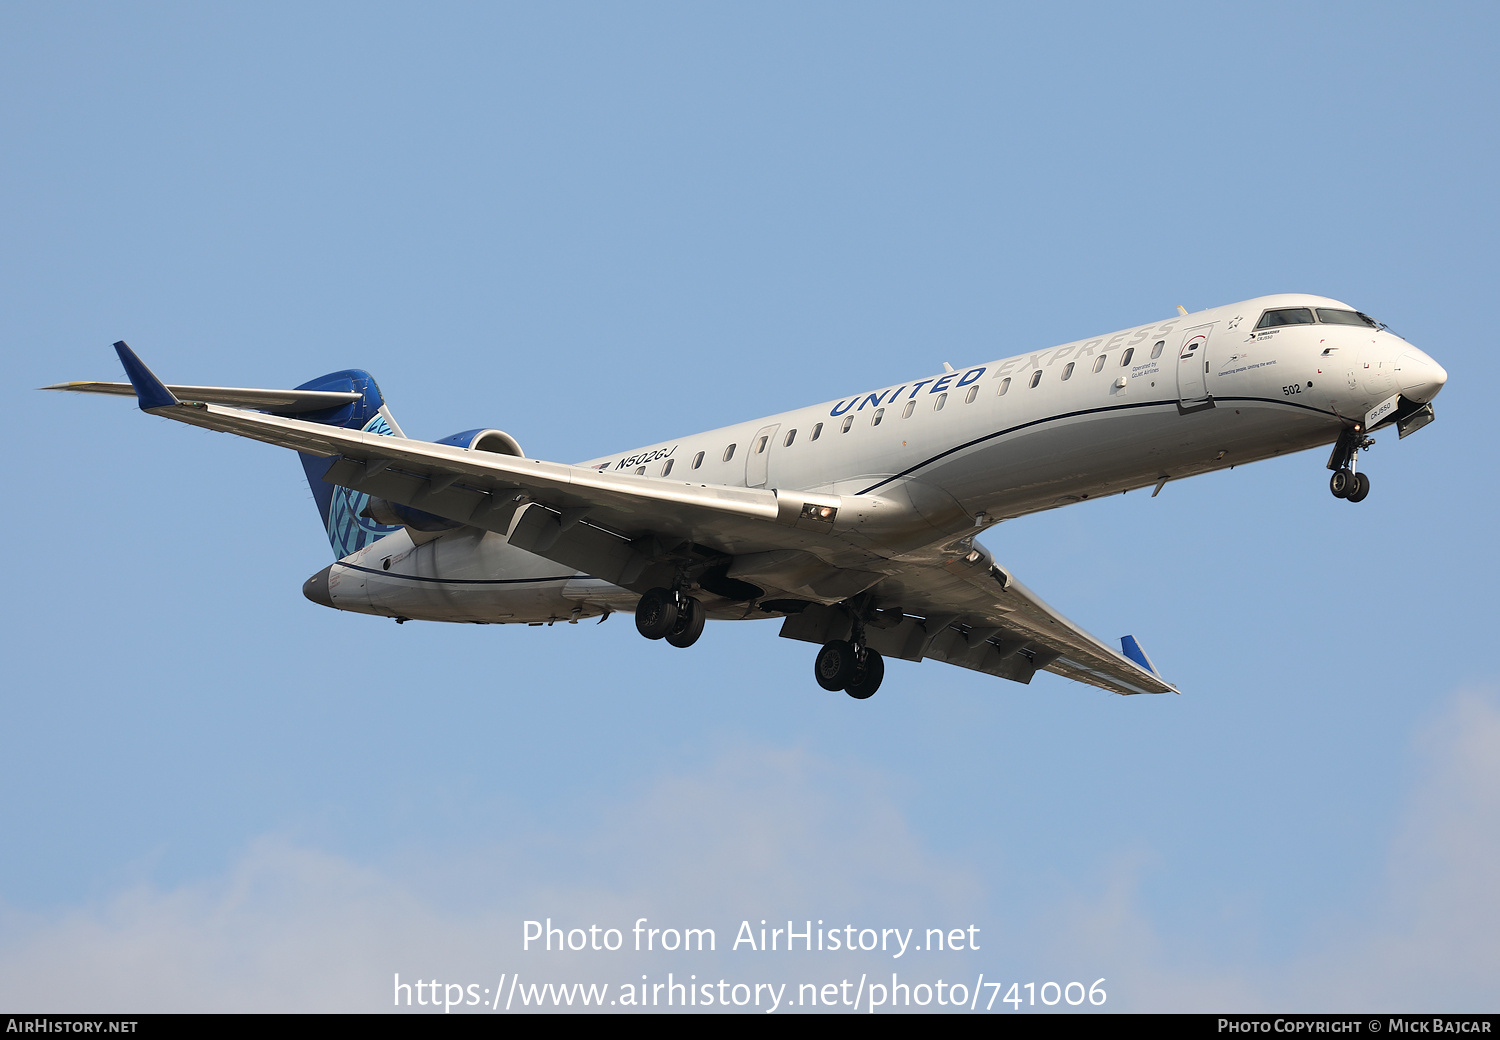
849	664
1345	482
841	665
670	615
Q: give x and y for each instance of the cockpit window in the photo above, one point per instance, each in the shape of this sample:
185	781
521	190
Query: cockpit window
1335	317
1286	316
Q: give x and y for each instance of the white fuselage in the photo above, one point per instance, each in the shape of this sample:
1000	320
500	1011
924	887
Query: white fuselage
1093	417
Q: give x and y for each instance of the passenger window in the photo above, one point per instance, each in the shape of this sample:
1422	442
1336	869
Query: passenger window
875	419
791	436
1125	357
1004	386
729	452
973	393
1156	349
848	422
942	399
906	412
1036	377
760	446
1068	372
698	460
640	471
668	467
1286	316
1099	365
817	431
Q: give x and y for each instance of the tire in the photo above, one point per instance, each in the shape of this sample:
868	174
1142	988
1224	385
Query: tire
690	619
867	677
1361	488
656	614
1341	483
834	666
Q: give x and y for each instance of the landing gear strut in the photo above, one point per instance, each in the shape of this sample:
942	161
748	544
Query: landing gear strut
1345	482
867	676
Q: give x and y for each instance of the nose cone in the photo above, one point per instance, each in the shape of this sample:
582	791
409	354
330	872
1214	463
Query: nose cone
1421	377
316	587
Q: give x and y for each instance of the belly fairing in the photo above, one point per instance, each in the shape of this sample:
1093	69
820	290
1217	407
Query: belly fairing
468	575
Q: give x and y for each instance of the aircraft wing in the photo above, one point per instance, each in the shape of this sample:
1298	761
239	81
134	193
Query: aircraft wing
611	525
951	603
967	611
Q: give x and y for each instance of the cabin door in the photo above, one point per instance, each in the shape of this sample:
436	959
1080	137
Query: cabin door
760	456
1192	369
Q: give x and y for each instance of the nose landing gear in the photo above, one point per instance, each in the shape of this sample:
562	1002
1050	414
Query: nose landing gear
1350	485
1346	483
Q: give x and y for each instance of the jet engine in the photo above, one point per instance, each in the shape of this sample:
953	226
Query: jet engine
486	440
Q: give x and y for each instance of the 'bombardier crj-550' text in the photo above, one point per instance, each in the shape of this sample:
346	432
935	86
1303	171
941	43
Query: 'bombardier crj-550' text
853	520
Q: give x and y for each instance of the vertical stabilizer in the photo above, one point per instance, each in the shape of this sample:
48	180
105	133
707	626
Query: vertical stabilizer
339	507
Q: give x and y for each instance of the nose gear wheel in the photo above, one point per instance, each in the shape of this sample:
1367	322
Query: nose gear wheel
1346	483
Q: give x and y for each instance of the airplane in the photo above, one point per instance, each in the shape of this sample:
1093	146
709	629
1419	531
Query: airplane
854	520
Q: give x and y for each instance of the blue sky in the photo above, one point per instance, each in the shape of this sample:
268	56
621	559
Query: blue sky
597	226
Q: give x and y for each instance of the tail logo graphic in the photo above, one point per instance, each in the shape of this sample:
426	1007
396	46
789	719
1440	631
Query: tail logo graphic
349	532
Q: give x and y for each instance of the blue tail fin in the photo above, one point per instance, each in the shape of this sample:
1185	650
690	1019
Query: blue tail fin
338	506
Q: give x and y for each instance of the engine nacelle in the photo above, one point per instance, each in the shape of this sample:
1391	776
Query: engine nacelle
497	441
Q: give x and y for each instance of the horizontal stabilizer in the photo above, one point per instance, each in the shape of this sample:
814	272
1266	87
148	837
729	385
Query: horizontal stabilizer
289	402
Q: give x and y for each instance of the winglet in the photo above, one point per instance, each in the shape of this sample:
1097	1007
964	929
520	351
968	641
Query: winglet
149	391
1131	647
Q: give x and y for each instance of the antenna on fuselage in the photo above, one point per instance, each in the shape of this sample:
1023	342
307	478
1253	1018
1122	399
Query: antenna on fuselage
949	368
1182	310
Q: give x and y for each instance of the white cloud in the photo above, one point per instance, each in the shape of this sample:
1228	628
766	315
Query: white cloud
769	833
1429	941
759	832
1433	942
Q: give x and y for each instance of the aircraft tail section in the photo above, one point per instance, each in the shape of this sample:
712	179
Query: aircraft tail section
340	507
